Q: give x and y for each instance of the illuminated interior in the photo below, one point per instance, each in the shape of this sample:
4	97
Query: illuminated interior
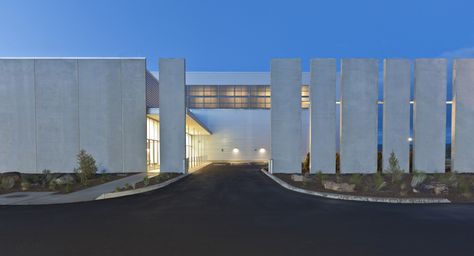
235	96
196	140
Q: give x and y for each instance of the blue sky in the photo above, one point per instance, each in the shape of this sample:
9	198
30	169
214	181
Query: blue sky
237	35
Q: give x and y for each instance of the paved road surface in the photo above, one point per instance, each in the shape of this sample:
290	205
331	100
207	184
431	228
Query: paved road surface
235	210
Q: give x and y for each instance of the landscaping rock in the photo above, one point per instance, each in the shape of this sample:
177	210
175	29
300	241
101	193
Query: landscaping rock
437	188
65	179
297	177
340	187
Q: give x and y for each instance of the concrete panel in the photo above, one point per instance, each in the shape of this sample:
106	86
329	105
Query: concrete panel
172	115
429	115
359	79
134	114
286	115
17	116
100	111
396	112
323	115
463	116
57	114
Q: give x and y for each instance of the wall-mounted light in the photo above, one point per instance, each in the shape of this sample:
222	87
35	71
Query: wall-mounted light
410	139
235	150
262	150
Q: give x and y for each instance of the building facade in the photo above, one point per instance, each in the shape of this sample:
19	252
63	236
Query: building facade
51	108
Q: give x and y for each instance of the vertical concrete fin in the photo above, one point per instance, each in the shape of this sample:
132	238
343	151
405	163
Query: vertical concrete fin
429	115
359	79
134	114
462	145
172	115
286	115
323	115
396	111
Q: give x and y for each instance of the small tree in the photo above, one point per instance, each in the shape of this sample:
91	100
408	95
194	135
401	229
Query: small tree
394	168
87	167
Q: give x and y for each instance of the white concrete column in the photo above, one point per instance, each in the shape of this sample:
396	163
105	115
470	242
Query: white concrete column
323	115
172	115
134	114
462	146
286	115
359	78
396	112
429	115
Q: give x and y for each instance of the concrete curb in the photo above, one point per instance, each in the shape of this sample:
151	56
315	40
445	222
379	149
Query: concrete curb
141	190
391	200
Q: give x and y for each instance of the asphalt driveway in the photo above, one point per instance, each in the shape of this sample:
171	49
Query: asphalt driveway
235	210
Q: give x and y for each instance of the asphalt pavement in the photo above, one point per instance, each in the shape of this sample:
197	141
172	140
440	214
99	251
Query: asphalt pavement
227	209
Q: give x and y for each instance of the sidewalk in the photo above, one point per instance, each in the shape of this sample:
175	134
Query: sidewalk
88	194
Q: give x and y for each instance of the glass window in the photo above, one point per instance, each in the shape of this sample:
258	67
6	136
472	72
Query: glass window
226	91
210	90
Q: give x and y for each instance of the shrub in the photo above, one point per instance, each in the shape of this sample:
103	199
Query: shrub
146	181
338	177
127	186
86	163
356	179
305	166
46	174
320	177
67	187
450	179
117	189
103	175
403	189
417	178
394	169
52	185
82	177
464	187
7	183
379	181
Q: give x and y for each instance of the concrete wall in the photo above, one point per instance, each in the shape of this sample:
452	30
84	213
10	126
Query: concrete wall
52	108
286	115
245	129
323	115
463	116
172	115
57	114
359	115
396	112
17	115
100	115
429	115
